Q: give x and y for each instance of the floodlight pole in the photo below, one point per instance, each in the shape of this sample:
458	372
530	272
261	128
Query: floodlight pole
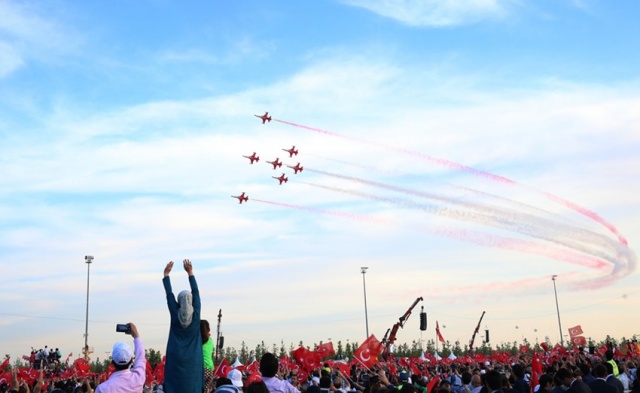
363	270
553	278
88	259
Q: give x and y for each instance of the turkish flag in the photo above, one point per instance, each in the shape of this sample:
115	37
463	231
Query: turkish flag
255	377
432	384
222	370
81	366
578	341
602	350
559	349
325	350
575	331
308	360
367	353
5	363
415	370
440	338
524	349
158	372
149	375
545	347
253	367
536	371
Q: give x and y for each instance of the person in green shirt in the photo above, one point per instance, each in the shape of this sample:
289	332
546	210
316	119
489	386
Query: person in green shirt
207	354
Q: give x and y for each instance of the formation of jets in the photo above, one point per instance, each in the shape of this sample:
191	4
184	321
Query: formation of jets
276	163
265	118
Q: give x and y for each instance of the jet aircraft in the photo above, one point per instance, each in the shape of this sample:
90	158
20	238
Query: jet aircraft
297	168
291	151
252	157
281	179
265	118
241	198
275	163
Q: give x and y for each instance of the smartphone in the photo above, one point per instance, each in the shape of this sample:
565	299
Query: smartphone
123	328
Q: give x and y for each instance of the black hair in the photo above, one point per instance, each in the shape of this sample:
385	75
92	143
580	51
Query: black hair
268	365
205	329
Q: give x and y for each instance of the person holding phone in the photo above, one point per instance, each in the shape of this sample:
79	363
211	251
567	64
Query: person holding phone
126	379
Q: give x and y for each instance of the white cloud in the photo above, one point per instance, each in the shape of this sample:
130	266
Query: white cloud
31	32
434	13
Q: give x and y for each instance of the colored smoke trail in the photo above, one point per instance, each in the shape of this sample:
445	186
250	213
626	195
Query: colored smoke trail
476	172
502	218
349	216
488	240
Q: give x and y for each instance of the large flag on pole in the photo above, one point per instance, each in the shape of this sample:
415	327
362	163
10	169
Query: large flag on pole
440	338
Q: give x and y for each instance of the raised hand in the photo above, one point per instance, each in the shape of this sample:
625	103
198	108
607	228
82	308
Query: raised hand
188	267
168	268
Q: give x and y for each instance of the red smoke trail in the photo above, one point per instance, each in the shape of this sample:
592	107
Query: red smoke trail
501	179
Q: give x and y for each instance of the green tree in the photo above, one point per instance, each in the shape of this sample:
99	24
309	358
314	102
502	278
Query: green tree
153	357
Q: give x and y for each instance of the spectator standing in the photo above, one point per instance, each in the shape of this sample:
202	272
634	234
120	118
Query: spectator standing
184	367
124	379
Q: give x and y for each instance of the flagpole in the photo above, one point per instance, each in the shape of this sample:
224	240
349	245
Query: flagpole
364	286
553	278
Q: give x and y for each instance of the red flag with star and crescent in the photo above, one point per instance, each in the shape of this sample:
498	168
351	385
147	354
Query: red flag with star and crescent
325	350
222	369
367	353
308	360
575	331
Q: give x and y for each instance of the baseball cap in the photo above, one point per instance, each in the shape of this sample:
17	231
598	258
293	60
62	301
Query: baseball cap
121	353
236	378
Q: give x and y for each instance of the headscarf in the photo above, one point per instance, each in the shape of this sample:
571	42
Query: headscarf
185	308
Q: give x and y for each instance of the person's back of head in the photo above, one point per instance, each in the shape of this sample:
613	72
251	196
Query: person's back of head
518	371
585	369
546	382
494	380
608	354
465	377
268	365
609	367
325	382
257	387
227	389
223	381
600	371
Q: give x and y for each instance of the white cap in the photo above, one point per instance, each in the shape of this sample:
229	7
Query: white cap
236	377
121	353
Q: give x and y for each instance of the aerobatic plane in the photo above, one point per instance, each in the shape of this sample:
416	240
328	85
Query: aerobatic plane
265	118
241	198
297	168
291	151
252	157
275	163
281	179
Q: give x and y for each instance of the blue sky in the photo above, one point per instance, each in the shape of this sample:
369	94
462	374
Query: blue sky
464	150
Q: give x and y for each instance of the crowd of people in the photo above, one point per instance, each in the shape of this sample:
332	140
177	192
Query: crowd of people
188	367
